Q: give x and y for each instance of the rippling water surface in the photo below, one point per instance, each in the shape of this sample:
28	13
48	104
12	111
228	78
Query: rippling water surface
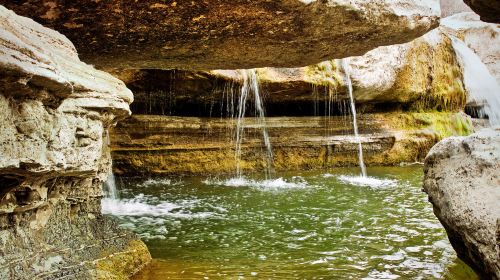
306	225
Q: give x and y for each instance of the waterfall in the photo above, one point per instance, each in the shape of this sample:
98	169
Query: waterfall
110	190
251	86
109	187
481	86
345	66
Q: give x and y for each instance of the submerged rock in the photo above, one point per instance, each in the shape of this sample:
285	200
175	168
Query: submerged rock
462	179
54	115
230	34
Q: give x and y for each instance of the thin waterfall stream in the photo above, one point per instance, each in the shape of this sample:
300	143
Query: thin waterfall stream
109	187
345	66
251	86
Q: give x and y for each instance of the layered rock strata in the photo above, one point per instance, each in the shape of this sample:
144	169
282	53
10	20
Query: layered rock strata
54	115
147	144
462	179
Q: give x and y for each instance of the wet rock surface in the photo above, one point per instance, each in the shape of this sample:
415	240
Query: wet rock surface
462	179
147	144
54	115
229	34
482	37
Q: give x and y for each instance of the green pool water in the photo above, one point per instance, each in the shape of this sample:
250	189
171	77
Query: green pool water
301	225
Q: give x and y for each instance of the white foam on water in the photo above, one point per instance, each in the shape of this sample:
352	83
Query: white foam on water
371	182
110	189
375	274
296	182
159	182
139	207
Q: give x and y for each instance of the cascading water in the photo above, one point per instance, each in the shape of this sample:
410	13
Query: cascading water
345	66
110	189
251	86
481	86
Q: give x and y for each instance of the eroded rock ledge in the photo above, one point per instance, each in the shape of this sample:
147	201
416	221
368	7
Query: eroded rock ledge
229	34
54	115
185	145
462	179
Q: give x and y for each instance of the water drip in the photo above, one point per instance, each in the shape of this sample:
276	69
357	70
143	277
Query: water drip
345	66
251	86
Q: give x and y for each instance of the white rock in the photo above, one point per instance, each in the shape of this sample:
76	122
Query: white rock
462	179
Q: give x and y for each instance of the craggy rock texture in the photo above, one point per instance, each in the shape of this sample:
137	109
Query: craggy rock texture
146	144
54	116
425	74
483	38
462	179
421	75
229	34
489	10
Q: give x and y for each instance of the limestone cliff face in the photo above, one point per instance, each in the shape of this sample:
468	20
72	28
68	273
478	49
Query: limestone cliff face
147	144
424	74
54	115
421	75
229	34
462	179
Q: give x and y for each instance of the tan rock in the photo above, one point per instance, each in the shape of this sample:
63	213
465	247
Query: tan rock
451	7
147	144
54	115
230	34
422	74
482	37
462	179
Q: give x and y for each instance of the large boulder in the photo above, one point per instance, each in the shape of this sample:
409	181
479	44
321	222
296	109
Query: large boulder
462	179
488	9
54	115
229	34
